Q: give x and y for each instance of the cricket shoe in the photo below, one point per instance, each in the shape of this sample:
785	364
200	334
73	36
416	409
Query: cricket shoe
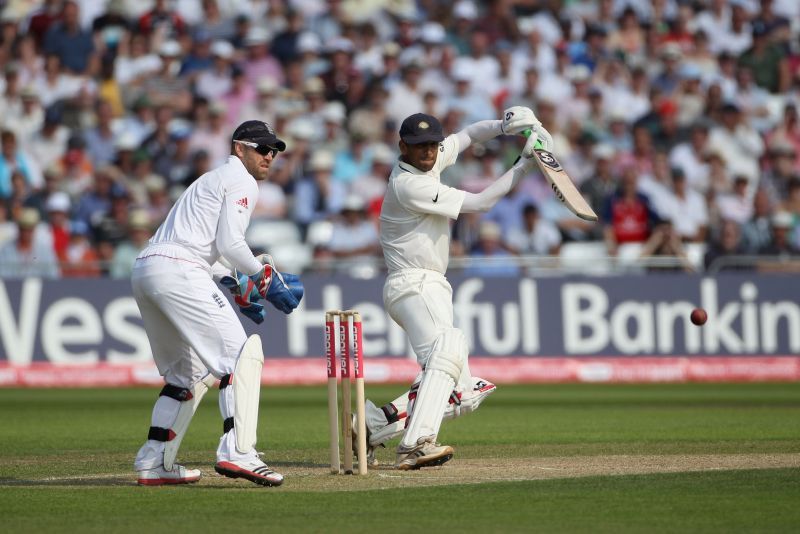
158	476
253	470
371	460
426	454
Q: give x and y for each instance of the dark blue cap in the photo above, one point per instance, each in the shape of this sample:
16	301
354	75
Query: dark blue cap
421	128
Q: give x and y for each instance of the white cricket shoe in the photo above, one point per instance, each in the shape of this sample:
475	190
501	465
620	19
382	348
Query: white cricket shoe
426	454
159	476
253	470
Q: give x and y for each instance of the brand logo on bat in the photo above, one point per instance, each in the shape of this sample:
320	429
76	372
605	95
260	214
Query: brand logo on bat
557	191
548	159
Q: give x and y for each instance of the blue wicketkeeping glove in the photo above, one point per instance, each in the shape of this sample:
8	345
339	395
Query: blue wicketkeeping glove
285	291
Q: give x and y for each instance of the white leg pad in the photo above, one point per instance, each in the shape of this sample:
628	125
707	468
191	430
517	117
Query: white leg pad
442	371
184	417
246	392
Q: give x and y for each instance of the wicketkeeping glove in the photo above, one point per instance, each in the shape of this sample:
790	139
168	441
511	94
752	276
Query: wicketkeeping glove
252	310
516	119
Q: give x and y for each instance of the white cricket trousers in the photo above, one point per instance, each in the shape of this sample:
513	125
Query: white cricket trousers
421	302
193	330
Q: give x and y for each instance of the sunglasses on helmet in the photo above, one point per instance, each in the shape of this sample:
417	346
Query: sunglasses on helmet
261	149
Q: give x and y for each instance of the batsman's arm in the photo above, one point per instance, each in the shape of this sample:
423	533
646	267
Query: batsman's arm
486	199
478	132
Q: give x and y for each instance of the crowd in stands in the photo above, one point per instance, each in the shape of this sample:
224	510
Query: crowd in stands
678	120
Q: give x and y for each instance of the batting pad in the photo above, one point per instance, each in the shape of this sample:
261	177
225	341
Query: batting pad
184	417
246	392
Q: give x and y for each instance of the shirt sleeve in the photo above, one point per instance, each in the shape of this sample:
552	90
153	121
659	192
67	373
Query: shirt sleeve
448	153
239	198
426	195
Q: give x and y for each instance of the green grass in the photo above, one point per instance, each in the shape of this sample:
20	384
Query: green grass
69	434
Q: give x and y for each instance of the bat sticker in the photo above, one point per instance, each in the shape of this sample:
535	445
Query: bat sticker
548	159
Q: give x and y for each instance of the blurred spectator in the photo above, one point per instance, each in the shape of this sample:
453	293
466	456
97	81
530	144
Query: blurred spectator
12	159
665	241
352	161
371	186
317	196
781	248
788	131
102	139
757	232
58	209
489	258
689	156
727	243
736	205
739	144
165	86
405	96
47	146
80	259
161	19
686	210
537	236
138	233
214	82
767	61
628	217
26	256
259	64
354	237
134	61
73	45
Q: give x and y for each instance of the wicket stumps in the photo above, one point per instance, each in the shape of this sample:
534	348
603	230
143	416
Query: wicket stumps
350	347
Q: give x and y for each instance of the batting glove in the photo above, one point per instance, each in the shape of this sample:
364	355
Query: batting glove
517	119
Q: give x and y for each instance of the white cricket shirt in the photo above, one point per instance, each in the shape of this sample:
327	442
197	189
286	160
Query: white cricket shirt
209	220
416	213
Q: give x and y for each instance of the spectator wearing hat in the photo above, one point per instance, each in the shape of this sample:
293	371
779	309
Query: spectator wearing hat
781	253
10	100
80	259
166	86
371	117
768	62
214	82
368	57
27	256
334	137
159	144
318	196
260	63
480	63
473	103
53	84
57	209
490	256
464	15
73	45
139	230
212	137
686	209
669	78
13	159
689	95
372	185
216	23
342	77
26	120
405	96
780	169
136	125
176	168
739	36
264	104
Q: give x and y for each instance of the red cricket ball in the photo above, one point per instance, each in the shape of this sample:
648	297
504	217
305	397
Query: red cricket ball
699	316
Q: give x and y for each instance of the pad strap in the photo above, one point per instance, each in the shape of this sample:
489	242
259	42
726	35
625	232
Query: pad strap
390	411
225	381
227	425
176	392
157	433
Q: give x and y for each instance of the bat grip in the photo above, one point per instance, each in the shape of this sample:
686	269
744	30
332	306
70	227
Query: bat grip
527	133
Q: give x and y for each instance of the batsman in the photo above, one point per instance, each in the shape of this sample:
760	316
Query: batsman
415	236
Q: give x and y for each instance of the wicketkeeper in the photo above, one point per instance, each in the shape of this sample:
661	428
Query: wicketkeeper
415	235
194	333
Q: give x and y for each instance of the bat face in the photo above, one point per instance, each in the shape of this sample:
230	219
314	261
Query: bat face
562	185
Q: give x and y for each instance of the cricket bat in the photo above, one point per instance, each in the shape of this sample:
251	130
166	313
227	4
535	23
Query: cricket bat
561	183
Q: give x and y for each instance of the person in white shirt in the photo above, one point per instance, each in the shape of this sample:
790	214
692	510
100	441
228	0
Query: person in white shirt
193	331
415	236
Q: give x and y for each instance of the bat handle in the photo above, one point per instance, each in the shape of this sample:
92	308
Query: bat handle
527	133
